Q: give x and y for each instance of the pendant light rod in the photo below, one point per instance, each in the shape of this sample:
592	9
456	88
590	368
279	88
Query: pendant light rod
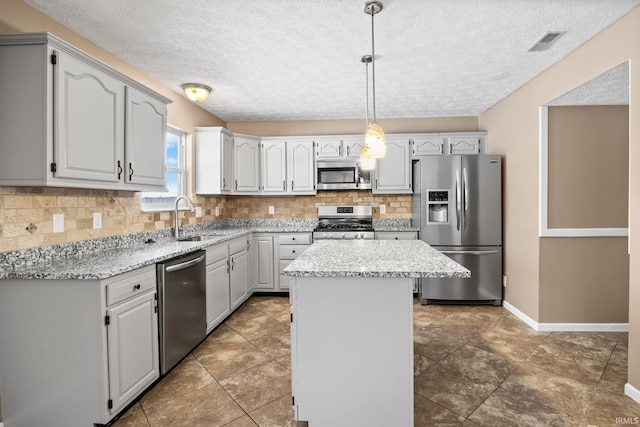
372	8
367	60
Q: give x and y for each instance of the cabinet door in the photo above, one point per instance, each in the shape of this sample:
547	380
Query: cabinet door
145	145
301	168
264	278
246	165
464	145
274	167
88	122
428	146
218	299
239	278
329	148
132	337
227	162
393	171
353	147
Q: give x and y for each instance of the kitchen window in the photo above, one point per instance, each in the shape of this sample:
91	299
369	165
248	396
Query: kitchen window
176	175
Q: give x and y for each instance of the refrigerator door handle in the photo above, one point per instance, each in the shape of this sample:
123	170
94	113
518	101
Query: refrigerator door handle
458	207
469	252
465	198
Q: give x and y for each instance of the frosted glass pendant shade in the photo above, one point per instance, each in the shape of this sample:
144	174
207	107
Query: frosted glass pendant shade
367	163
196	92
375	141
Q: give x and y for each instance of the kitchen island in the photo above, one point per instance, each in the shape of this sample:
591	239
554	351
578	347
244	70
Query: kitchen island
352	329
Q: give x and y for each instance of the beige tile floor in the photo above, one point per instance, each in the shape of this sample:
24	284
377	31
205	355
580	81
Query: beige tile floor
474	366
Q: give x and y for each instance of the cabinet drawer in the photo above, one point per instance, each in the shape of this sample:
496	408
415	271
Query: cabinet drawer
291	251
239	244
285	282
396	235
217	252
132	285
294	239
283	264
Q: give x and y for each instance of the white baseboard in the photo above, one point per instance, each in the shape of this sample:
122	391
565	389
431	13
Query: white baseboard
629	390
566	327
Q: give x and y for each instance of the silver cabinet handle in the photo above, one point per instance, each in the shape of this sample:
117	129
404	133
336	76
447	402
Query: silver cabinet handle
284	185
293	185
348	150
184	265
469	252
340	150
465	198
458	207
224	183
236	185
130	171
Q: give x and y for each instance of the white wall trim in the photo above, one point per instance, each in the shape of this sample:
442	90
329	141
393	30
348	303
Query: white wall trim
543	192
566	327
629	390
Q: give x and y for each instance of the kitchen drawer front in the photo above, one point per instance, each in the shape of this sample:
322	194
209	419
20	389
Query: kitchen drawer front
285	282
283	264
239	244
291	251
217	252
131	285
396	235
294	239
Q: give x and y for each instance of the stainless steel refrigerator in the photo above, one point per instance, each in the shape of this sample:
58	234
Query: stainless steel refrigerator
457	203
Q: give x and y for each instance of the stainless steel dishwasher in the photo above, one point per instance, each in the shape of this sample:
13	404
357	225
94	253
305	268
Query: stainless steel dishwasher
181	298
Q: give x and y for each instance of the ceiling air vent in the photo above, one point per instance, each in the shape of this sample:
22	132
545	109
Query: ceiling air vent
546	41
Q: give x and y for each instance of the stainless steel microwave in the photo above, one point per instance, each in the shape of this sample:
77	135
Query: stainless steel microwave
342	175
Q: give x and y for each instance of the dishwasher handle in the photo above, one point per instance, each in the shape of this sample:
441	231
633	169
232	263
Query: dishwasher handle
469	252
185	264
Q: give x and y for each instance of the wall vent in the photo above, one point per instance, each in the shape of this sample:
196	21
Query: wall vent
546	41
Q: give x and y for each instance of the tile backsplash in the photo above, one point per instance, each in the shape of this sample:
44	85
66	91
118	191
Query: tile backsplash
26	213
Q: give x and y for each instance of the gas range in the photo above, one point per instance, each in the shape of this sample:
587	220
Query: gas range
344	222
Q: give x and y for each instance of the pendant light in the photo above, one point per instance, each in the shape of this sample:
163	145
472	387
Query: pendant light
367	161
374	139
196	92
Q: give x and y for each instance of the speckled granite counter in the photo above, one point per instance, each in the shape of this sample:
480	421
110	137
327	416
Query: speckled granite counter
374	258
394	224
102	258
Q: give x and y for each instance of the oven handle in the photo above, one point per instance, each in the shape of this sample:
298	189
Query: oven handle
184	265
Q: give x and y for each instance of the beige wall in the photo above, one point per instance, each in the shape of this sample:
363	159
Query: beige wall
513	128
588	166
346	127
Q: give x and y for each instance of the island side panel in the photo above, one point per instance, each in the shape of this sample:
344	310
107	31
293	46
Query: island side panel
352	351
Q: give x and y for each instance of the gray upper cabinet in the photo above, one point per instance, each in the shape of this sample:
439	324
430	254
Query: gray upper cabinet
274	166
438	144
301	167
68	120
428	146
464	144
145	144
214	160
392	174
337	147
329	148
246	164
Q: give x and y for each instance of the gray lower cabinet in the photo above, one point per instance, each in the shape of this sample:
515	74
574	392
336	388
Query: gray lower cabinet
76	352
274	252
263	267
239	271
218	293
290	246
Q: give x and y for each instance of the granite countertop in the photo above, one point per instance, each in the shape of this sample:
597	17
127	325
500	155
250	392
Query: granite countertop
107	257
374	258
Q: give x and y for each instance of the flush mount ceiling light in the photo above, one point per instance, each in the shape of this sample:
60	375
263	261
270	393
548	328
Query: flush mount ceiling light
196	92
374	139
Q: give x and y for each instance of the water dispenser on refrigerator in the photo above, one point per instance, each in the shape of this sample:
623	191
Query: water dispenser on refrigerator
438	206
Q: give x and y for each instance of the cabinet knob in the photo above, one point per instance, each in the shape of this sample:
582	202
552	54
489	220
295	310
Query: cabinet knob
293	238
136	287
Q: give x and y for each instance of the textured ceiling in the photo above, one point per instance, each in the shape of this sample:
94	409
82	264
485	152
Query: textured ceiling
300	59
610	88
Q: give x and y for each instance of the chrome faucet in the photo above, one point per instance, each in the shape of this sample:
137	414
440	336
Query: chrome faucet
176	227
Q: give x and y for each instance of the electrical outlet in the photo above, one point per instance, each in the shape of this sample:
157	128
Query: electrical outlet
504	281
58	223
272	210
198	212
383	209
97	220
217	210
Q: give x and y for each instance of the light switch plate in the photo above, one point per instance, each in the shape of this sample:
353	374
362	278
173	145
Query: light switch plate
272	210
97	220
383	209
58	223
198	212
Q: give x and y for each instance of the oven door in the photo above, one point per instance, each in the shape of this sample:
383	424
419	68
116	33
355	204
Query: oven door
339	175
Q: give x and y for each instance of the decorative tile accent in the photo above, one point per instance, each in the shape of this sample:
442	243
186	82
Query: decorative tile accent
31	228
